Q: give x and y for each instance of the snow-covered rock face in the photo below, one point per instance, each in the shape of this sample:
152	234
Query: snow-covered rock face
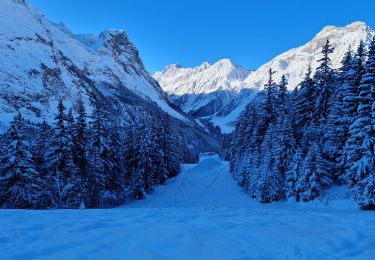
206	78
293	63
42	62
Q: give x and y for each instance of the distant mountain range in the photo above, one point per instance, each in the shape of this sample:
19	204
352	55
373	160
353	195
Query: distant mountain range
206	78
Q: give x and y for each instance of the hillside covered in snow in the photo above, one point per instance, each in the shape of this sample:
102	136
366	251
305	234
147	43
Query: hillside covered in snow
43	62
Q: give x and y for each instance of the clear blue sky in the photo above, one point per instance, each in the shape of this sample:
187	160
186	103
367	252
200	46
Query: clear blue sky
192	31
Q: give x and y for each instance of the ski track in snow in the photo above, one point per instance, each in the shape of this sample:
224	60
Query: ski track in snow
200	214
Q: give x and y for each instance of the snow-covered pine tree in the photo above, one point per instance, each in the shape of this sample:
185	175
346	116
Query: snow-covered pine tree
292	175
251	156
341	112
129	155
115	179
269	105
73	196
352	90
270	183
359	61
349	110
146	154
44	132
134	184
59	162
243	138
20	184
267	114
292	111
80	156
304	103
187	155
363	169
100	162
283	101
284	144
324	80
359	131
170	147
237	142
314	176
160	140
251	173
41	146
225	143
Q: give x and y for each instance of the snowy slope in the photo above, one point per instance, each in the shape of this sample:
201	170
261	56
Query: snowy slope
42	62
207	183
201	214
294	63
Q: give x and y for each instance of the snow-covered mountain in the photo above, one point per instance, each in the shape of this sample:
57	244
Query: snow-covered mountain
293	63
42	62
206	78
205	90
211	91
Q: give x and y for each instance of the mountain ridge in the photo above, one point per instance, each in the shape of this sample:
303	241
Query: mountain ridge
205	78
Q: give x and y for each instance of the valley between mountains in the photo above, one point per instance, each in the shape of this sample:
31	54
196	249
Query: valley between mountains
101	159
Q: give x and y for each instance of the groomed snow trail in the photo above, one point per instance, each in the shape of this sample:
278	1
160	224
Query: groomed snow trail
200	214
206	184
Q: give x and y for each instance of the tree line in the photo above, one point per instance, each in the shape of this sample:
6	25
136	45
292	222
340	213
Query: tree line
83	161
296	144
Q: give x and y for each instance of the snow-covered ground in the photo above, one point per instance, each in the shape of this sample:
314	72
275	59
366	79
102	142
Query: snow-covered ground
201	214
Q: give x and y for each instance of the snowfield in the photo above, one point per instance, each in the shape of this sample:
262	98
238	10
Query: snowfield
201	214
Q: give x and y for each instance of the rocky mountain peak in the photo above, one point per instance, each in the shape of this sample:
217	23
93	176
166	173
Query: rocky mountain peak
172	68
336	31
225	62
